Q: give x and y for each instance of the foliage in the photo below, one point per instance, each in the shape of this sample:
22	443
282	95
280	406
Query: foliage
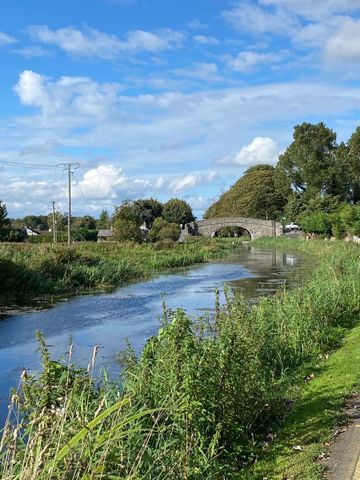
147	210
36	222
3	215
126	230
83	234
254	195
86	222
316	222
104	222
139	211
309	160
177	211
162	230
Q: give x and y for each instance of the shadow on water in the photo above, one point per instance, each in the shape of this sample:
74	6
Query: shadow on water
133	312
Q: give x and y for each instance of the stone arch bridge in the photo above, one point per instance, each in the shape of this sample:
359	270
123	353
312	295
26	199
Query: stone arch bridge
256	227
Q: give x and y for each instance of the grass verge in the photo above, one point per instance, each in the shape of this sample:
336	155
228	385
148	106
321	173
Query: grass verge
315	416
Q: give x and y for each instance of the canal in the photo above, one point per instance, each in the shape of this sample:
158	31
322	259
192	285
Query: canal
133	312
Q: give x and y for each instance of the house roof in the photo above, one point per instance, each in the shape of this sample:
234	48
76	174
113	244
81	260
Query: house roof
105	233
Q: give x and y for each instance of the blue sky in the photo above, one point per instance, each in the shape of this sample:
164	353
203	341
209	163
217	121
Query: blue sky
164	98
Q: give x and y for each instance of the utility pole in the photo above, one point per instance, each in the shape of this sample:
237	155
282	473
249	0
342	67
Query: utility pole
53	222
68	166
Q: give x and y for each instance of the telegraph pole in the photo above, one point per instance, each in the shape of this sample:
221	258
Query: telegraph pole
68	166
53	222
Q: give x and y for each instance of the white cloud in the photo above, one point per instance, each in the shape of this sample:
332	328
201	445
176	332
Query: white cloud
205	40
247	61
6	39
200	71
78	95
45	148
33	52
247	17
260	150
195	24
92	43
344	44
192	180
315	10
102	182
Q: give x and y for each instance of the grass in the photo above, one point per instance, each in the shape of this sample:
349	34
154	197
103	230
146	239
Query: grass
28	271
205	394
317	413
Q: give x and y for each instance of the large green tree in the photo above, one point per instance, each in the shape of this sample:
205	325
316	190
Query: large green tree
261	193
310	162
177	211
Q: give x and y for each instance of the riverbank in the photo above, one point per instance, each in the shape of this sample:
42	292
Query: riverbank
204	400
39	274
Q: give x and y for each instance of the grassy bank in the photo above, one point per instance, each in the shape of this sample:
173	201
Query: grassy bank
31	270
206	396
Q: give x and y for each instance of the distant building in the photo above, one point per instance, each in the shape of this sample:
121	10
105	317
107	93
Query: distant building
31	232
105	235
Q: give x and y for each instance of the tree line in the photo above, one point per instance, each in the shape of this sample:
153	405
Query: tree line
159	221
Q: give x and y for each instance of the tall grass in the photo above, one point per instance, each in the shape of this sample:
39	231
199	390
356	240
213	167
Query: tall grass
203	394
31	270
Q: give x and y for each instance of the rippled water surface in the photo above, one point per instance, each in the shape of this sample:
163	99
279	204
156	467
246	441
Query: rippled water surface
133	312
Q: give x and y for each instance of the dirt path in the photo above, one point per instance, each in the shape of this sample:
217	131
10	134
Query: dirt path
343	462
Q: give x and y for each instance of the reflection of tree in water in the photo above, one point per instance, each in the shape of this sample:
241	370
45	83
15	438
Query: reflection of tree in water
273	272
232	232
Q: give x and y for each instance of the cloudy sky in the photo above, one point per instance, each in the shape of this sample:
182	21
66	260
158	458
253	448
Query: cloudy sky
164	98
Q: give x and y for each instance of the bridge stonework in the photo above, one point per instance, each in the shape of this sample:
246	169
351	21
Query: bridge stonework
256	227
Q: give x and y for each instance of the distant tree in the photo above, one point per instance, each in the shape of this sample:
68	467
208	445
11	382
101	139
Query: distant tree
354	166
177	211
104	221
126	230
147	210
254	195
86	222
126	211
37	222
163	230
4	221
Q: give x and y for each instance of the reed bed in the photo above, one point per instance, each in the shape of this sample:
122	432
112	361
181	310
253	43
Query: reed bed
201	399
32	270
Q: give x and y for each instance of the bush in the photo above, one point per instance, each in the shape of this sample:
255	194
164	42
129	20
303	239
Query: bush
162	230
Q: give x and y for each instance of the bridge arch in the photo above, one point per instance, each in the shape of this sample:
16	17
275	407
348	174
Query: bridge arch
256	227
237	230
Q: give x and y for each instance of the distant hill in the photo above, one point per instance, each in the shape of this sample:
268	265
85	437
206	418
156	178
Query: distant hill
259	193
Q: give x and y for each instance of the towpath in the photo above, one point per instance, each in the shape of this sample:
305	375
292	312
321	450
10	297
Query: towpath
343	462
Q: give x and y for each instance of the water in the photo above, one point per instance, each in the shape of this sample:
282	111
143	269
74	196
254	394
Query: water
133	312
